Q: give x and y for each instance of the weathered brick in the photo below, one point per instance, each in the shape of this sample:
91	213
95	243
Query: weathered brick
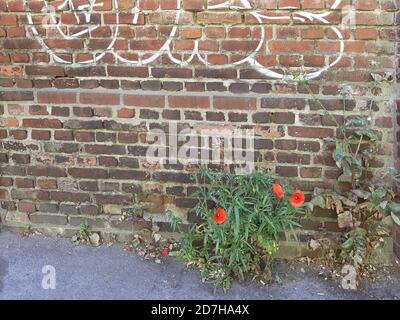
69	196
113	199
16	96
283	103
88	173
83	124
48	207
286	171
172	176
309	132
26	206
235	103
144	101
93	223
105	149
55	71
99	98
194	102
89	209
46	171
42	123
54	219
69	209
129	175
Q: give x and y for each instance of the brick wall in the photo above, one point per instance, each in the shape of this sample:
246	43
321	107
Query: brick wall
81	87
396	229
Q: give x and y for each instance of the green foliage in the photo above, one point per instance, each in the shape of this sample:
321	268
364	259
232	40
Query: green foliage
354	132
246	242
365	201
357	121
354	248
358	127
348	162
174	220
395	207
133	212
375	202
396	219
84	230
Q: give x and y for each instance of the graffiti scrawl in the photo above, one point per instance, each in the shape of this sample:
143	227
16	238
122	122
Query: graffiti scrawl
83	11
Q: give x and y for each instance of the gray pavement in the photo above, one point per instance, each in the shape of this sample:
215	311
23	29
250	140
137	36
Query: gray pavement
85	272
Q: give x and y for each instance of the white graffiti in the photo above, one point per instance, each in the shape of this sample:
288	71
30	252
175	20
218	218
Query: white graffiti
166	47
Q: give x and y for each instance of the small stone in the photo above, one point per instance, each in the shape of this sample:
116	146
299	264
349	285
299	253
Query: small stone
314	245
94	239
345	220
157	237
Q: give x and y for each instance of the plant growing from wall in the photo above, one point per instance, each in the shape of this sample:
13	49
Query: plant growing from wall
134	212
243	217
364	202
84	230
85	236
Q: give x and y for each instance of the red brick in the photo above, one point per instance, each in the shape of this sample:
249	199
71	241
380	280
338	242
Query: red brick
235	103
126	113
310	132
10	70
144	101
25	206
99	98
194	102
41	123
56	97
44	71
16	95
88	173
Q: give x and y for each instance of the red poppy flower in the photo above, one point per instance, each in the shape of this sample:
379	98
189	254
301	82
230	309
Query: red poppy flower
165	252
220	216
297	199
278	190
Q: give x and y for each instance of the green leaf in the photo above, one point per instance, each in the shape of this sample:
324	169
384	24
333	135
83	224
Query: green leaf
380	192
237	222
347	245
357	258
175	254
338	154
360	232
383	204
357	121
395	206
367	133
396	219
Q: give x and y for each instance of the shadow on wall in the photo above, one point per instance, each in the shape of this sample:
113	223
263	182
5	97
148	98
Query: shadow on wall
3	271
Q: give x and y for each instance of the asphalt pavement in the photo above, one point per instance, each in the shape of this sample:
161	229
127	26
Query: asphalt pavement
38	267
